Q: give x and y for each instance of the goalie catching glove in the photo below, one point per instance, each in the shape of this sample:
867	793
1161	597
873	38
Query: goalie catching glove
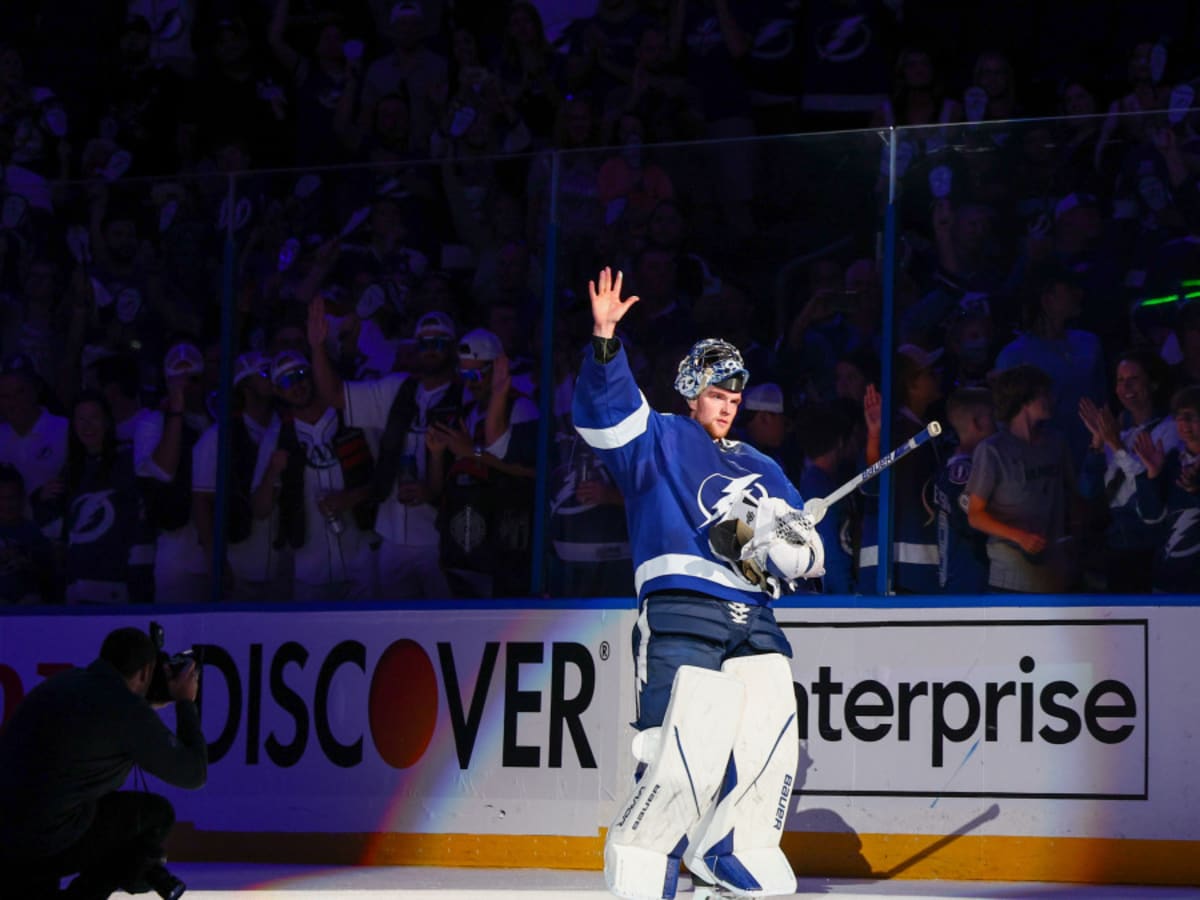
781	547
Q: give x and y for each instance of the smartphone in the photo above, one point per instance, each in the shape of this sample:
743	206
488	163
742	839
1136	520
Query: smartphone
443	415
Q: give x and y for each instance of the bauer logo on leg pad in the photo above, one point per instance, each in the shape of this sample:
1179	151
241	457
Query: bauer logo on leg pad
689	754
646	807
785	797
737	846
634	801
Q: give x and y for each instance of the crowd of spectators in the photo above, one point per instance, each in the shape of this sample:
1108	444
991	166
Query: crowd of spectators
371	184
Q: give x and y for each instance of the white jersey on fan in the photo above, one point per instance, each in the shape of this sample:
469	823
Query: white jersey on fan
253	558
325	558
39	455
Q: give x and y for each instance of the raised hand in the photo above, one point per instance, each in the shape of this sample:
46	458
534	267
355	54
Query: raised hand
176	388
1100	421
873	409
1150	452
607	306
501	377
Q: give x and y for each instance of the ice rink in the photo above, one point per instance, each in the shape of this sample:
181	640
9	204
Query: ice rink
214	881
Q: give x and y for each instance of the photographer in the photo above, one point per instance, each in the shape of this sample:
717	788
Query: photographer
64	755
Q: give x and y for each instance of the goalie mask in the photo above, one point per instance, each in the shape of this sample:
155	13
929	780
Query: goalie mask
711	362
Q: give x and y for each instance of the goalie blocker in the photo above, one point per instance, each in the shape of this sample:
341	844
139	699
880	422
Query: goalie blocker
774	544
716	786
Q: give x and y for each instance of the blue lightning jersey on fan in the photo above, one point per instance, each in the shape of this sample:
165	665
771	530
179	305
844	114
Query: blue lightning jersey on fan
677	482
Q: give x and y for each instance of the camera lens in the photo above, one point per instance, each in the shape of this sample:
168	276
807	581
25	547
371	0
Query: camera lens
164	883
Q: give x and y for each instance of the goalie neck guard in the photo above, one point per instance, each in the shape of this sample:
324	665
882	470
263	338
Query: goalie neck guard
711	362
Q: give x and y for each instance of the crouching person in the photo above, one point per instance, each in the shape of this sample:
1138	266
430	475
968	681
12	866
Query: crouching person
64	755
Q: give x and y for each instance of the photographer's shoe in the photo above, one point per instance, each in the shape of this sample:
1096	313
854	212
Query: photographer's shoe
163	883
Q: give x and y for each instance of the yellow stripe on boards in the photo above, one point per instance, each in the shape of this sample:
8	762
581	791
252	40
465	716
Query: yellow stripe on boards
813	854
994	858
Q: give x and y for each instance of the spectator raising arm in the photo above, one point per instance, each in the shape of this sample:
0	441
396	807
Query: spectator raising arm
166	453
873	417
328	382
284	52
735	38
327	255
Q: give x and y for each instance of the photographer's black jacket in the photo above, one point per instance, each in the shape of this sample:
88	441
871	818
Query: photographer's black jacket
75	738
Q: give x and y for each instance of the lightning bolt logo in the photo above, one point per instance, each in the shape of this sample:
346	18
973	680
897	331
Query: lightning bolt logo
844	41
845	29
1177	547
736	489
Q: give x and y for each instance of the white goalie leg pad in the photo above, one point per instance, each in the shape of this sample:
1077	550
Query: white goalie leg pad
736	846
686	760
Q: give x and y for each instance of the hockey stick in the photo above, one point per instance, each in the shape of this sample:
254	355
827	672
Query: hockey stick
816	507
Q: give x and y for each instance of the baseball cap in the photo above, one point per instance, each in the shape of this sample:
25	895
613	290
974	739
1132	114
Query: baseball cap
250	363
919	356
766	397
435	324
480	344
183	359
286	361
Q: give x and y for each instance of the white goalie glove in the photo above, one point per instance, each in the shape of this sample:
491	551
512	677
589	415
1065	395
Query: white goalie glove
784	547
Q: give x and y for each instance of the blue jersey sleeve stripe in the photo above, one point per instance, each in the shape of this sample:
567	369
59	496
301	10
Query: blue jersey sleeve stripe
620	434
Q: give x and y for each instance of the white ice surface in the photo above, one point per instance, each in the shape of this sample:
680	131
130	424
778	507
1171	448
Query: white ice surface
226	881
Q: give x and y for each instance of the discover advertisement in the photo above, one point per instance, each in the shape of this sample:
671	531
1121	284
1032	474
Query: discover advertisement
391	721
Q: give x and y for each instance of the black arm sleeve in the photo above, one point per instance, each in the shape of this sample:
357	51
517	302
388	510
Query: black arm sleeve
605	349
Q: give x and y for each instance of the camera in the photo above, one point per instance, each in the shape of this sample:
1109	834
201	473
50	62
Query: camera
167	666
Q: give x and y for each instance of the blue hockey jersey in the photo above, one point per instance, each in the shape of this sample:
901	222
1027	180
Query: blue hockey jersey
1165	500
962	550
677	483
